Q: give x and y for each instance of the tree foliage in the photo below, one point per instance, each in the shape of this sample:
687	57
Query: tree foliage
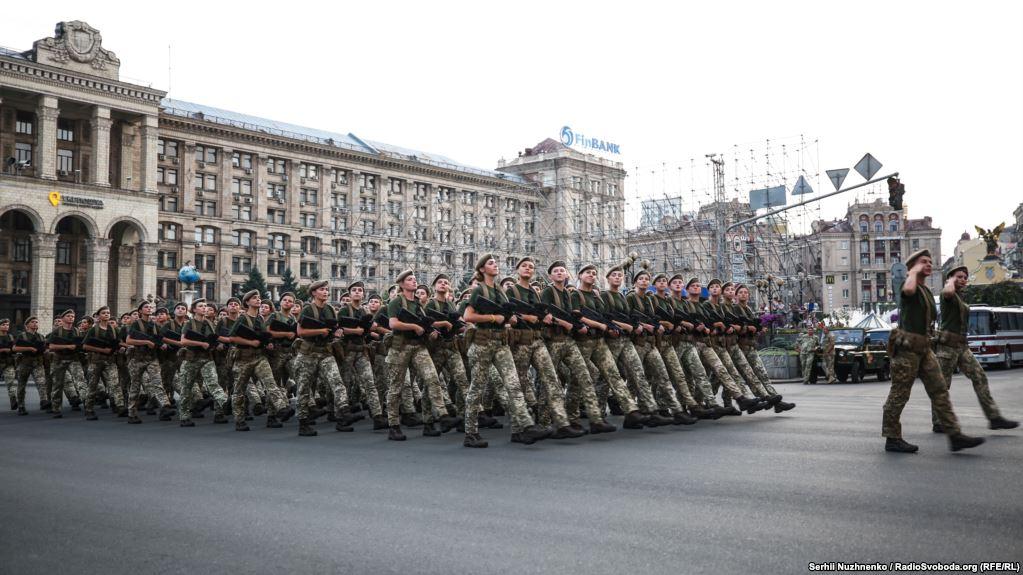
255	281
999	294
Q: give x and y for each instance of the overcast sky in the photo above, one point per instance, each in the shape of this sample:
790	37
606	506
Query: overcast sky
932	89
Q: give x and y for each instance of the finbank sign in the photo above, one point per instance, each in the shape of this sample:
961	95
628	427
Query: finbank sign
574	139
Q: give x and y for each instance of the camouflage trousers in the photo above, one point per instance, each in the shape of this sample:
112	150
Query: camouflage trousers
193	372
402	357
448	362
103	369
249	366
738	378
9	373
484	355
689	356
360	371
806	361
144	373
32	366
683	387
742	366
602	364
580	393
68	379
495	391
380	377
753	358
551	401
906	367
224	360
281	366
169	376
623	353
828	359
313	370
661	383
715	364
950	356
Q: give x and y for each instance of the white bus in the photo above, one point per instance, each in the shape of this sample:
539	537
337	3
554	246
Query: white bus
996	334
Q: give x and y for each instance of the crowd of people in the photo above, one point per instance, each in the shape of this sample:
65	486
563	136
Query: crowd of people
546	354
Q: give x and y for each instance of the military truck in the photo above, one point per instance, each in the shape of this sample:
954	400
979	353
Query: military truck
858	353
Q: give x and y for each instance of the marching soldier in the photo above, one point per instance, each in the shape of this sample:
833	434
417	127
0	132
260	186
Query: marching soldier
102	363
356	356
953	350
66	369
224	355
7	362
747	344
143	368
30	345
691	341
807	347
283	351
912	357
197	366
252	367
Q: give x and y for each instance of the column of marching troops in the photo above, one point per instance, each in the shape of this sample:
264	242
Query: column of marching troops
545	355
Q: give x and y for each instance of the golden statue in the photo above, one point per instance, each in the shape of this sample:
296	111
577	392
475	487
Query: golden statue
991	239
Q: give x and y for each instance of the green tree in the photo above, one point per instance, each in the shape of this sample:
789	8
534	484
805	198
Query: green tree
999	294
302	293
289	283
255	281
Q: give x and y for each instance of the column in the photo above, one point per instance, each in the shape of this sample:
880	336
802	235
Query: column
46	141
128	136
100	167
146	283
148	140
97	258
44	254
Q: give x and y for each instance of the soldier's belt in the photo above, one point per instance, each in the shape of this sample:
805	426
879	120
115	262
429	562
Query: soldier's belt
246	353
194	354
640	339
523	336
485	336
951	338
911	342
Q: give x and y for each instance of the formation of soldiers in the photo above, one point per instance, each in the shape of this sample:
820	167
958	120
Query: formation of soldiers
545	355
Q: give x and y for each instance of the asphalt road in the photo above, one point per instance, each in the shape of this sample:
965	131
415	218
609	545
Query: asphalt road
765	493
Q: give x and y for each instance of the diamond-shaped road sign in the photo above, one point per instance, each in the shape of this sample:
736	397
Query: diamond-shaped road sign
837	177
867	166
801	187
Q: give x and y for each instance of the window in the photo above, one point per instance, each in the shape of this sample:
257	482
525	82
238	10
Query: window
595	252
277	192
893	225
310	245
276	166
468	198
309	171
845	277
206	154
339	201
309	197
166	176
878	227
23	123
165	288
242	187
445	215
367	181
65	161
843	245
168	232
341	177
209	290
845	293
241	160
595	186
367	204
338	271
65	130
23	152
209	182
275	216
275	267
205	208
242	238
169	203
167	260
396	186
278	241
340	247
241	212
916	245
308	219
205	235
309	269
444	194
490	202
167	148
62	284
529	227
241	265
64	252
369	227
206	262
422	191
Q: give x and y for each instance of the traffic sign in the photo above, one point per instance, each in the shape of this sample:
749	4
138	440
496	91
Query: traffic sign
801	187
867	166
837	177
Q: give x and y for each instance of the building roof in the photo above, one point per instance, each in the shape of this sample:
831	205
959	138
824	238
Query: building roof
547	146
347	141
9	53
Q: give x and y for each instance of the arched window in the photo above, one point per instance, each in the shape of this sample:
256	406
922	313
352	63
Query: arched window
864	223
893	223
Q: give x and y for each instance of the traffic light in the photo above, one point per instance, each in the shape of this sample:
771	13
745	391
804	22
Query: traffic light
896	190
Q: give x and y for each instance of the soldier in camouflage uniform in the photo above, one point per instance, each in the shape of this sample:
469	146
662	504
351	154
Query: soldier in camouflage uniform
356	357
953	350
224	354
692	340
283	351
528	350
564	350
749	349
806	345
725	338
251	363
912	357
409	352
143	368
102	366
827	344
29	346
7	370
490	348
197	366
66	369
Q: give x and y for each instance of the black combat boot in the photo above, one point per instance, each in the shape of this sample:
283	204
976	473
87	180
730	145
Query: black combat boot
273	422
938	428
568	432
339	426
395	434
601	426
522	438
22	410
430	431
134	419
90	416
220	418
122	412
683	418
321	402
1002	423
75	402
634	420
449	422
166	413
537	432
304	429
657	420
748	404
258	409
316	413
346	418
14	404
773	400
474	440
483	420
241	426
411	420
576	426
959	441
899	445
700	412
379	422
285	414
783	406
57	415
44	405
187	423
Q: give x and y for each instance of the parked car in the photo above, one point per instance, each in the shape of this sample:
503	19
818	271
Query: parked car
858	353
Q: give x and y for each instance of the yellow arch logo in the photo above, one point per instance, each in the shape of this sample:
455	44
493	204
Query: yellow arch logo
55	198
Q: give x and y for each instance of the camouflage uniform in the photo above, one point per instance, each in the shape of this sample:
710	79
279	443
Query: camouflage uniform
624	352
490	349
806	345
283	353
251	364
144	371
594	349
911	358
224	354
357	365
408	352
953	350
529	350
66	370
828	356
103	368
566	355
198	366
746	344
7	370
690	351
31	364
170	362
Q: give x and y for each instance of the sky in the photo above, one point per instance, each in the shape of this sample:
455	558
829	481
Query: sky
934	90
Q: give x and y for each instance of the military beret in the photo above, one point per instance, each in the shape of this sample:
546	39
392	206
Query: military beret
676	277
438	278
641	272
660	277
249	295
67	312
482	261
180	304
714	281
30	318
535	283
953	271
356	284
197	301
586	267
160	310
344	295
232	299
423	287
739	287
915	255
5	321
613	270
506	279
725	286
317	285
401	277
555	264
286	294
692	280
524	260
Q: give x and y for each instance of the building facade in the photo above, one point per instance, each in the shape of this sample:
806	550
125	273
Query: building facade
857	254
109	188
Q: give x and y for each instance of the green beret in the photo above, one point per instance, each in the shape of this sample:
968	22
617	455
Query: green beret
482	261
317	285
5	321
180	304
586	267
401	277
915	255
556	264
613	270
641	272
661	276
676	277
249	295
523	260
160	310
725	286
197	301
287	293
506	279
713	281
692	280
30	318
953	271
438	278
67	312
232	299
356	284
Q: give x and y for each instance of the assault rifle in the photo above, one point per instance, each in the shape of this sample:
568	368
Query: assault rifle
244	331
211	339
405	316
489	307
75	341
566	316
594	315
39	346
143	336
365	322
453	318
102	343
326	323
522	307
278	325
